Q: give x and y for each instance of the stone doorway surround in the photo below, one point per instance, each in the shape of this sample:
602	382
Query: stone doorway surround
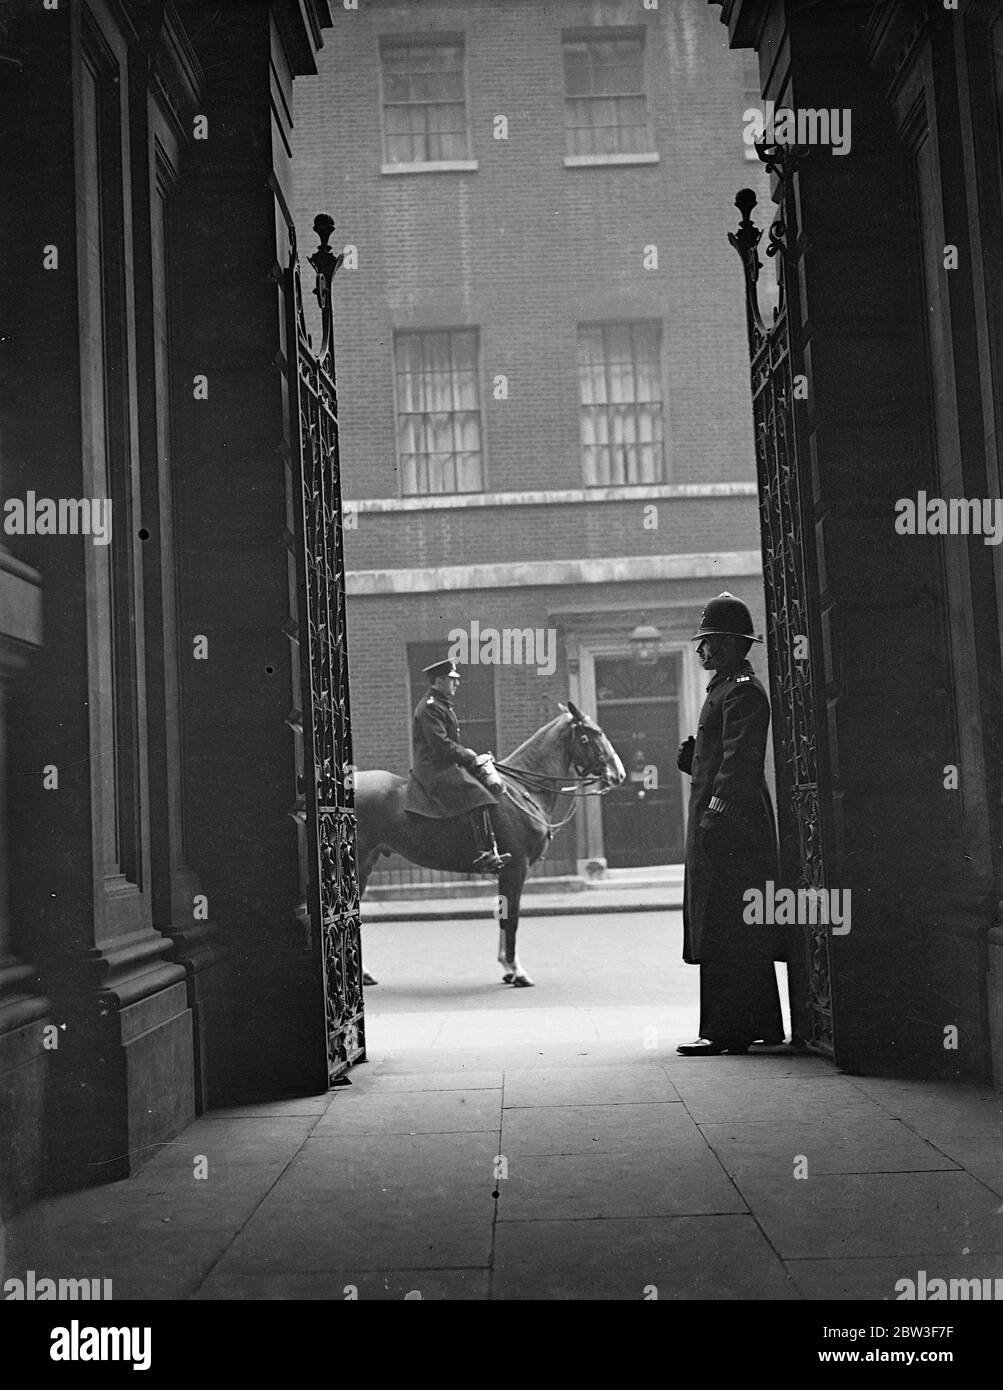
584	649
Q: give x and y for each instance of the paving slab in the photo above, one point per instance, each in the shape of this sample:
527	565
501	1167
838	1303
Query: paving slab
649	1127
388	1032
588	1086
144	1261
955	1103
217	1196
462	1030
407	1201
862	1215
652	1026
877	1278
343	1285
754	1095
378	1078
762	1064
846	1144
512	1056
232	1139
402	1112
682	1178
683	1257
256	1110
981	1154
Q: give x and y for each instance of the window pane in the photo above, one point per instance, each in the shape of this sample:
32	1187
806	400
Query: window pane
605	107
423	96
576	70
619	372
438	403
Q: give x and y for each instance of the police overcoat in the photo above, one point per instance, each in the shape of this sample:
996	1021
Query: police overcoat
441	762
728	768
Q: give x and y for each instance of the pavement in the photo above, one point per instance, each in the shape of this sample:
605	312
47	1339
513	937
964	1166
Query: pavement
658	889
549	1144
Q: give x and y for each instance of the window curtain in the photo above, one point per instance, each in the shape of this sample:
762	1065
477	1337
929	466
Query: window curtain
620	386
439	412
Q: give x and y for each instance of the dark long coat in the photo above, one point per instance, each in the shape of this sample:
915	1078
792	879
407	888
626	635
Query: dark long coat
728	763
441	762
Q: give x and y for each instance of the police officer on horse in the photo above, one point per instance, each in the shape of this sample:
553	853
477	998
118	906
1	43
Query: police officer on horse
454	780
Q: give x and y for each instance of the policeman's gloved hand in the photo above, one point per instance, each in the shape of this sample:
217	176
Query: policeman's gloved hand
726	842
485	770
684	754
714	838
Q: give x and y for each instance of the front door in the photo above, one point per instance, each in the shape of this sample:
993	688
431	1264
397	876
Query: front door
638	707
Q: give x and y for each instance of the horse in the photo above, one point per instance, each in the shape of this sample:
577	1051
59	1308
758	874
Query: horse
535	776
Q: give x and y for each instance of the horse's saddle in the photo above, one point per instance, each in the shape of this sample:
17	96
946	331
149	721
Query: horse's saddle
464	797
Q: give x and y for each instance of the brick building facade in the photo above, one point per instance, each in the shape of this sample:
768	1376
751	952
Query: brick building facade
542	365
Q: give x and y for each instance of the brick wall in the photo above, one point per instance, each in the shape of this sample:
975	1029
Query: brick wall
379	626
525	249
484	535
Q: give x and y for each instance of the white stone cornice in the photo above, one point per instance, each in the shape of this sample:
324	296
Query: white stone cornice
644	493
518	574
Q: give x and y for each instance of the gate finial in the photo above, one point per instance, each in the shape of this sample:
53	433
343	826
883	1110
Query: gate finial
326	264
747	238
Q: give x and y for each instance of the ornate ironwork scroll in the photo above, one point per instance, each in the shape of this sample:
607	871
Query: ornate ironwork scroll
326	809
787	572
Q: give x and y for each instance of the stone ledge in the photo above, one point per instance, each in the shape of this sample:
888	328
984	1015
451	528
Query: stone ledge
533	573
640	492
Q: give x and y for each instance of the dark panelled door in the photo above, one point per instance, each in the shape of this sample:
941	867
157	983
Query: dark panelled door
638	707
326	809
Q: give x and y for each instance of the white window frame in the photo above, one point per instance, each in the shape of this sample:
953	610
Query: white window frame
425	166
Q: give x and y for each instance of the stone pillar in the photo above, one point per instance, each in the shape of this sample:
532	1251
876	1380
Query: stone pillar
897	624
23	1008
239	704
120	1078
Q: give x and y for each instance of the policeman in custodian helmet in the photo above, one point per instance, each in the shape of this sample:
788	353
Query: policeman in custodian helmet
455	779
730	842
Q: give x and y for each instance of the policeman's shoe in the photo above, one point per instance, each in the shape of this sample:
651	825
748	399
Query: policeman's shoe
712	1049
490	863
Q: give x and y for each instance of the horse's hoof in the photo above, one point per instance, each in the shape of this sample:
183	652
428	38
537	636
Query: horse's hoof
367	979
507	979
522	982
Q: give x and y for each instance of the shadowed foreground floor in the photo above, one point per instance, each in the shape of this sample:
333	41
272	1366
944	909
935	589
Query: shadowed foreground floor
549	1144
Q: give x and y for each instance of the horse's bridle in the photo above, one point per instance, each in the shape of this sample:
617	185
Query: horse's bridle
581	733
528	782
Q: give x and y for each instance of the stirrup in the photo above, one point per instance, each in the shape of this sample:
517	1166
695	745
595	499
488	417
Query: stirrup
489	862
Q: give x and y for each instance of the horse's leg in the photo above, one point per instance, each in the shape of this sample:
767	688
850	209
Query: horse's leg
510	882
366	861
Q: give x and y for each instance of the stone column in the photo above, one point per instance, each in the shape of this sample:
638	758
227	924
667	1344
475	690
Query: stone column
23	1008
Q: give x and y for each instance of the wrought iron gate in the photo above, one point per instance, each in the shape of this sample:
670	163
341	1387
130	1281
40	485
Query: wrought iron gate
326	806
792	615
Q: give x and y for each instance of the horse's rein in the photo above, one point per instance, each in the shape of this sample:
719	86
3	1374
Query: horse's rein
551	827
539	781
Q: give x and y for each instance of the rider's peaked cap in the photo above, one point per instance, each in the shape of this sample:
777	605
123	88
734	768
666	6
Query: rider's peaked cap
440	668
726	616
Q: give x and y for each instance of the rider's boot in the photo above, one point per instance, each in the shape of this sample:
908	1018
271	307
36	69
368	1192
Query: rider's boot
488	860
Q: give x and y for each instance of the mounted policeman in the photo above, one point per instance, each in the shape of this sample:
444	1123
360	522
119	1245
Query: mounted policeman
448	779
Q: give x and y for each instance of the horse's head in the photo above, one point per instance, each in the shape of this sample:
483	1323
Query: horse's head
590	752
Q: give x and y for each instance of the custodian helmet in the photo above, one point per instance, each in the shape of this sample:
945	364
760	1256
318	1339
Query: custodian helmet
726	616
